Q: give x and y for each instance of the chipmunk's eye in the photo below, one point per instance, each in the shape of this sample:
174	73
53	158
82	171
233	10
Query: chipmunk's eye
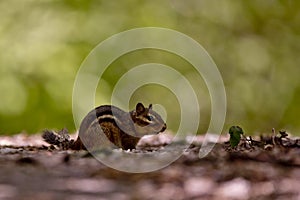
150	118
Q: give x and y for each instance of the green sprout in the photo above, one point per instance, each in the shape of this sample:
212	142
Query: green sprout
235	135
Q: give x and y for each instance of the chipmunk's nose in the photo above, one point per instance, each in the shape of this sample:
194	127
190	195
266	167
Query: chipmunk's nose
163	128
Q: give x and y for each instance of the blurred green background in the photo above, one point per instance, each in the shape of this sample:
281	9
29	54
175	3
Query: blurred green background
255	44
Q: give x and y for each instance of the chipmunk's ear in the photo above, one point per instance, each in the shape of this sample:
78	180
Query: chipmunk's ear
150	106
140	109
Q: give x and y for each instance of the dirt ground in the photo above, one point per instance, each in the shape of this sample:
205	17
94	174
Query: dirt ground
30	169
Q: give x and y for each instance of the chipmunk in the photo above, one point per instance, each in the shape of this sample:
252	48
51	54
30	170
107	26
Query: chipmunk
109	124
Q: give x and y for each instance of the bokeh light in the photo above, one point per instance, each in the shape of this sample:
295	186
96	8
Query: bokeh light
255	45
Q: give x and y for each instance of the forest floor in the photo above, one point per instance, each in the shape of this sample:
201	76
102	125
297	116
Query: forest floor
30	169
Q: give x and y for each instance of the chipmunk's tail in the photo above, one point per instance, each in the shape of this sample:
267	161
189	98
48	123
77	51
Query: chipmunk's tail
60	139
